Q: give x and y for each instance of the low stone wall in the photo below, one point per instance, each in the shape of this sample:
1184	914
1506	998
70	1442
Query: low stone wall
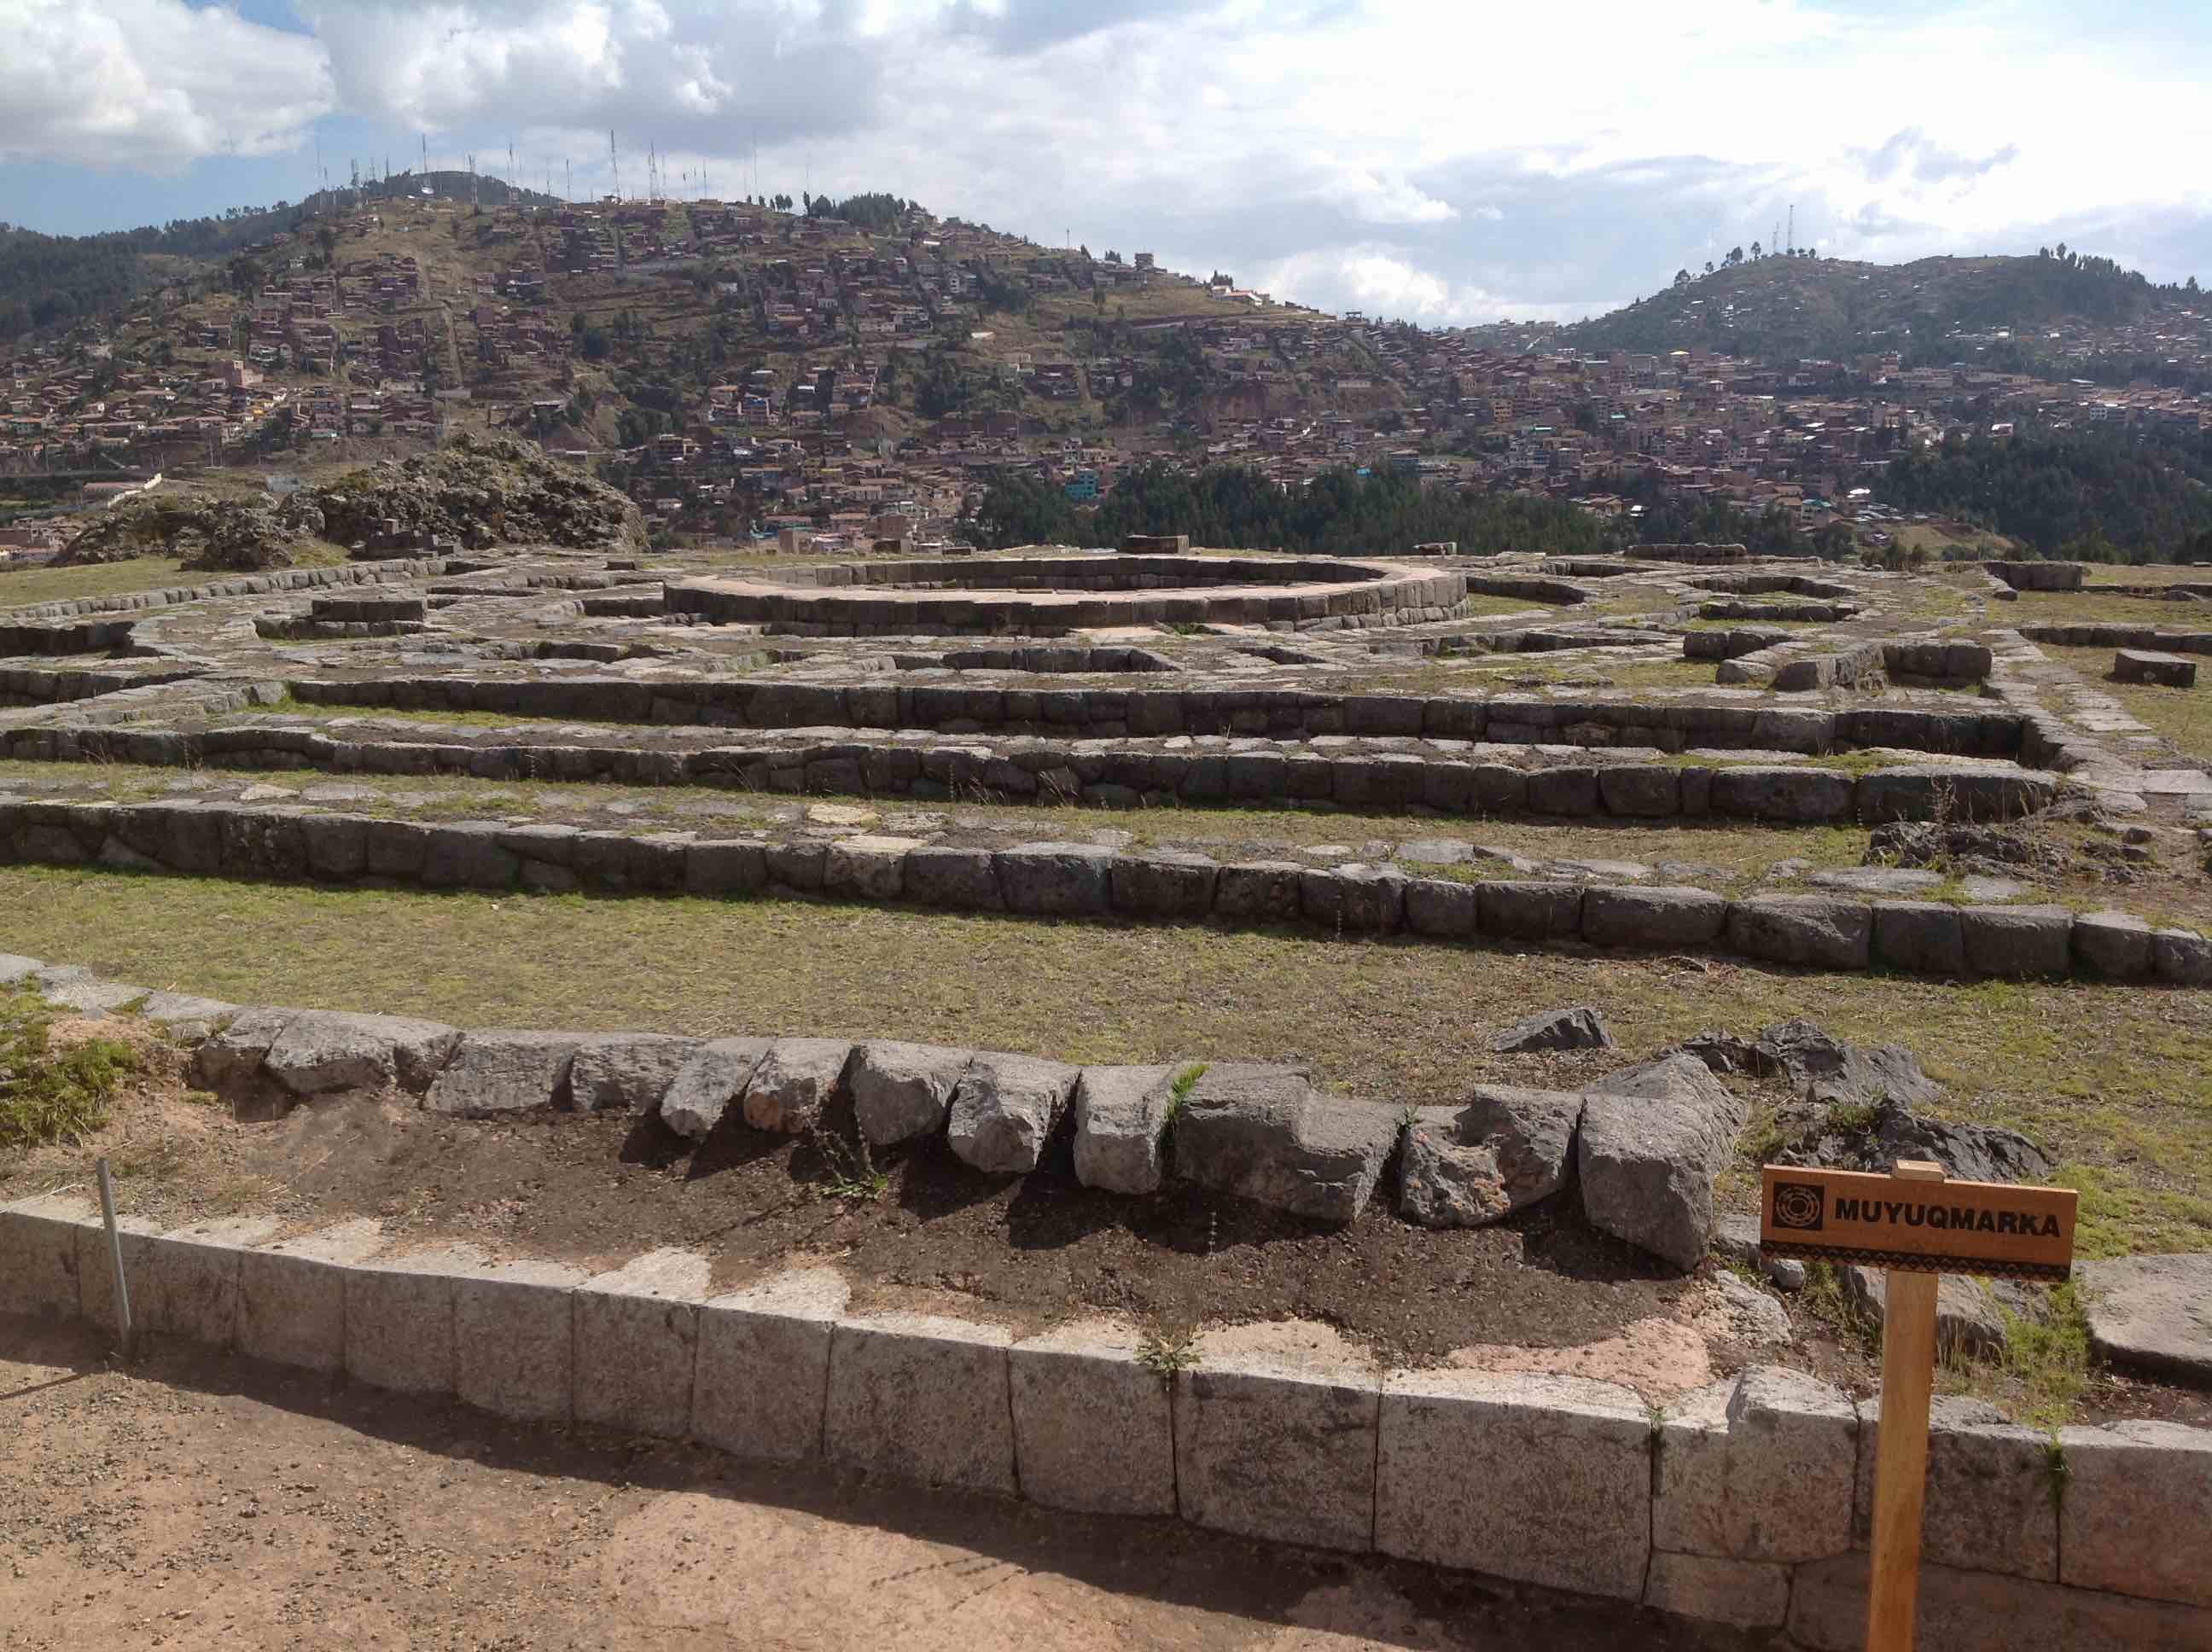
244	585
2108	635
31	685
1094	713
1066	880
1735	608
1753	585
1745	1502
2040	576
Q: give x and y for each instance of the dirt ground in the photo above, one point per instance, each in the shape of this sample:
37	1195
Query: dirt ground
204	1501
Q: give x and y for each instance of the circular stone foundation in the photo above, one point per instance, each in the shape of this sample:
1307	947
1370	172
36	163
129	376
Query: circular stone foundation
1051	596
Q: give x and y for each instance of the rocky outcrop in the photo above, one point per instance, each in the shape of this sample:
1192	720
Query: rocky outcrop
481	491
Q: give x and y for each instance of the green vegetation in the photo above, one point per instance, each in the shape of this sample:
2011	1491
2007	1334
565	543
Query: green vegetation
1166	1352
2088	495
2182	716
51	1096
23	587
2115	1081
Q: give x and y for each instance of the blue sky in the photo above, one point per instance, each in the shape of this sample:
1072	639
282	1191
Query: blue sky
1441	160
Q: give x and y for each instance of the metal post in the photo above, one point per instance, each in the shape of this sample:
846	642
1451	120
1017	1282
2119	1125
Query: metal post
122	1326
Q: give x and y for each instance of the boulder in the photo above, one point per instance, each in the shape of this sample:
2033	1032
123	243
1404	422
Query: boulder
2153	1313
1971	1314
1813	931
901	1090
712	1076
1464	1167
1265	1134
1830	1071
626	1072
1120	1117
1652	1139
792	1087
321	1050
495	1071
1579	1028
1845	1136
1004	1110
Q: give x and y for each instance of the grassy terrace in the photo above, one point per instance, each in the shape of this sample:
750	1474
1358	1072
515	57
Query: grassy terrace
2090	606
2182	716
2116	1081
22	588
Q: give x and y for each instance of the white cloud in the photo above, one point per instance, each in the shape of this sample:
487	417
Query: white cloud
151	84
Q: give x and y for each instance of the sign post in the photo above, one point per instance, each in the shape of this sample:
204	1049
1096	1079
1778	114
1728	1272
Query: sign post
1917	1225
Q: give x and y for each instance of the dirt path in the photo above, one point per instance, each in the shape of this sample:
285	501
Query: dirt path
206	1501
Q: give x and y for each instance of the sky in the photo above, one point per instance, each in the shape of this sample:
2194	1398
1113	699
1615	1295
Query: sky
1443	162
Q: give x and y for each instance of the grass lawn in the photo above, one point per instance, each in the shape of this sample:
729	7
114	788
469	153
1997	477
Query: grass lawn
2116	1081
2182	716
2091	606
21	588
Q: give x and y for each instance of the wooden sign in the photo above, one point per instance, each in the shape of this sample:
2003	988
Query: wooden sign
1915	1225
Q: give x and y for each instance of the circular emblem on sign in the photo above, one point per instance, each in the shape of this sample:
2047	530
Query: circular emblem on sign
1797	1204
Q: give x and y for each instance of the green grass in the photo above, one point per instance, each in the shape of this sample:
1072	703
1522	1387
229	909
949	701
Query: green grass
50	1097
2090	606
2182	716
2115	1081
22	588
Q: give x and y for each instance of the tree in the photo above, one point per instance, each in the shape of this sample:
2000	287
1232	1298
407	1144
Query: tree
1734	256
1709	266
1681	277
1755	251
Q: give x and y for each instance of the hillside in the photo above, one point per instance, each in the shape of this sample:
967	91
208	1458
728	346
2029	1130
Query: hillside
1931	312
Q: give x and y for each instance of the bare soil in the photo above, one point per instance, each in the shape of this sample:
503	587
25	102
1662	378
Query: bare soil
201	1501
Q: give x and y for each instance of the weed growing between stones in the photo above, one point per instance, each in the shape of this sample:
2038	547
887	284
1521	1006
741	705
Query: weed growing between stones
1179	1092
852	1172
1166	1352
2043	1366
50	1097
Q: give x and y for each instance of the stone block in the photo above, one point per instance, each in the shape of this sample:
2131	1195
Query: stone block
1544	1480
712	1076
191	1279
1656	917
901	1091
921	1398
1440	908
1056	880
231	1061
2137	1518
1782	791
1651	1141
1989	1500
1464	1167
1828	1611
1814	932
1278	1446
1758	1468
1165	883
2017	942
1120	1115
1005	1109
1923	937
966	879
2182	957
95	1268
637	1337
2151	1313
1258	891
400	1318
626	1072
1529	911
494	1072
724	867
40	1241
1263	1133
2113	946
1092	1430
1747	1594
2149	665
1640	791
764	1365
323	1050
514	1340
868	868
791	1089
291	1296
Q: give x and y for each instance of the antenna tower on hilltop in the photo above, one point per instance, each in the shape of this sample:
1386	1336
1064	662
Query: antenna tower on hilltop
426	153
614	160
567	179
1793	229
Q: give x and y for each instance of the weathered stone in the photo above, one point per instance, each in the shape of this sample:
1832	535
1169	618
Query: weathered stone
1782	791
1441	908
1279	1446
626	1072
1530	911
922	1398
2115	945
764	1365
1992	1500
1354	899
1658	917
514	1340
1815	932
190	1285
1165	883
1120	1117
1757	1468
1640	790
2017	942
40	1239
1579	1028
1747	1594
1259	891
2182	957
1652	1139
495	1071
1091	1425
637	1332
2137	1518
868	868
321	1050
793	1086
901	1091
291	1296
1970	1311
400	1318
1056	880
231	1061
2153	1313
712	1076
2149	665
966	879
1464	1167
1263	1133
1005	1108
1544	1480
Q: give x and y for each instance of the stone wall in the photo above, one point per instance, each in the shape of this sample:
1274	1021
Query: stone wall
1059	879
